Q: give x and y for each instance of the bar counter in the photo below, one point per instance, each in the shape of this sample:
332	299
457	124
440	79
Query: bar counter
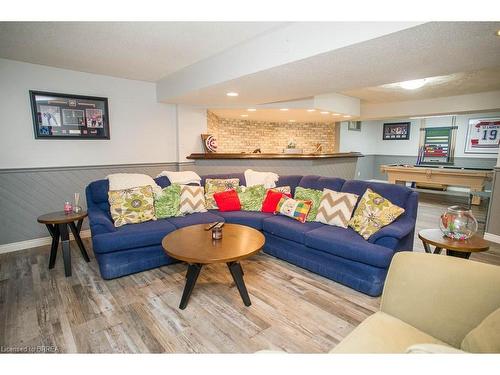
341	164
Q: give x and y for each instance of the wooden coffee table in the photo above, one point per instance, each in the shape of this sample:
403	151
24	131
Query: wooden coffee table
194	245
456	248
57	224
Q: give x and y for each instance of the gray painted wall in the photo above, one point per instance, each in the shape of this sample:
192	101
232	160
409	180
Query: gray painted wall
27	193
493	224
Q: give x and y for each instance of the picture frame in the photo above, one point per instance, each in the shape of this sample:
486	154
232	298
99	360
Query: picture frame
396	131
483	136
69	116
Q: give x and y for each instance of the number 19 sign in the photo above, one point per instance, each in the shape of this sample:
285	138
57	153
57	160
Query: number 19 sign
483	136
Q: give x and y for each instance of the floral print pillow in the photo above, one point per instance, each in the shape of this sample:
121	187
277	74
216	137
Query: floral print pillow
216	185
373	213
131	206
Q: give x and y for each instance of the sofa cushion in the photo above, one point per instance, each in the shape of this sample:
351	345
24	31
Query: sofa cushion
196	218
192	199
294	208
347	244
216	185
167	204
290	180
288	228
252	219
336	208
320	183
382	333
312	195
251	198
397	194
132	236
272	199
224	176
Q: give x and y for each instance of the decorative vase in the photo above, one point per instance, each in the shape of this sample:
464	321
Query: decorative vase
458	223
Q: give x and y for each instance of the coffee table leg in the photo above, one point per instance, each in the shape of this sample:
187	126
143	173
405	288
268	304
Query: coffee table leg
78	239
458	254
63	229
54	232
237	273
427	248
192	275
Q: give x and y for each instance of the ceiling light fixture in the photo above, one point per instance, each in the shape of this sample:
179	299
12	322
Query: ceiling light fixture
232	93
346	116
311	110
413	84
335	114
324	112
283	109
251	109
244	115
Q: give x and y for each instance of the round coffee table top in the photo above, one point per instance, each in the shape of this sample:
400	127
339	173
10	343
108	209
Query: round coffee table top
194	244
437	238
61	217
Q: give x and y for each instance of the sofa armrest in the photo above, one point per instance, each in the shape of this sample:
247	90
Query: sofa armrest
99	221
398	229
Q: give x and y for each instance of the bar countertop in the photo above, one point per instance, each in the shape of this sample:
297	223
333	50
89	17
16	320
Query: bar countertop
217	155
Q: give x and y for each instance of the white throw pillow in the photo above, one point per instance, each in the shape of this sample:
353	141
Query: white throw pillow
122	181
336	208
268	179
181	178
433	349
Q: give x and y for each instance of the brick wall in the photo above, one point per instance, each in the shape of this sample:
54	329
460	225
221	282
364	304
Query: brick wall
271	137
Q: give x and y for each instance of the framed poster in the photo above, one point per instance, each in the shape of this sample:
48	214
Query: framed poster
437	145
66	116
483	136
396	131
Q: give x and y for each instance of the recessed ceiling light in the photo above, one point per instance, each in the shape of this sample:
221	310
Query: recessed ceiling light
324	112
283	109
291	120
232	93
335	114
346	116
413	84
251	109
311	110
244	115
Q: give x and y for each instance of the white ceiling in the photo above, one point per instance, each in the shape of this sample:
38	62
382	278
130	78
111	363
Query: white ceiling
146	51
276	115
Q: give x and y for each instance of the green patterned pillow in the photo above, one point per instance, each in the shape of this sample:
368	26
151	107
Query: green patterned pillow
251	197
168	201
373	212
313	195
216	185
131	206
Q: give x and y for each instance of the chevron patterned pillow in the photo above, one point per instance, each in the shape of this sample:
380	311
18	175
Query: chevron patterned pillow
336	208
192	199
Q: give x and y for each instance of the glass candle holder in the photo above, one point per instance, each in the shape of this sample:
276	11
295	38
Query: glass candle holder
216	233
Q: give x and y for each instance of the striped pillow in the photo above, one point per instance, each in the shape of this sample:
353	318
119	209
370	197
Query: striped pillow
192	199
336	208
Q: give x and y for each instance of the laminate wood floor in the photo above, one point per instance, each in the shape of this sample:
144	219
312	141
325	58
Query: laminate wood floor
292	309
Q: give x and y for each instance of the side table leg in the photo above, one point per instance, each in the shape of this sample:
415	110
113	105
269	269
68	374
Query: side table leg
78	239
54	232
427	248
237	273
66	250
438	250
458	254
193	272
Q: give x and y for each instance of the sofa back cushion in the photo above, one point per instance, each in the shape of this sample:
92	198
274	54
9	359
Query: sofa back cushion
289	180
320	183
397	194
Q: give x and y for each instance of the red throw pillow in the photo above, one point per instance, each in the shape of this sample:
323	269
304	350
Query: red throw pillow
228	200
272	199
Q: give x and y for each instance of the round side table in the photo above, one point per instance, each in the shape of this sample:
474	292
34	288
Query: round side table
456	248
57	224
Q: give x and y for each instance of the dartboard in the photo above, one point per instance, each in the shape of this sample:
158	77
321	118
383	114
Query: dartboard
211	143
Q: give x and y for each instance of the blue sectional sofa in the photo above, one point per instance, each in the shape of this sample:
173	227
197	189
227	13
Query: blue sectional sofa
333	252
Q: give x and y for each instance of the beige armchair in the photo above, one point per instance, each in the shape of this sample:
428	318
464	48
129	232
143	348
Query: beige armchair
432	299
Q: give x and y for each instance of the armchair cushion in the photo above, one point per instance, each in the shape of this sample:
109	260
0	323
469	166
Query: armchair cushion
485	338
382	333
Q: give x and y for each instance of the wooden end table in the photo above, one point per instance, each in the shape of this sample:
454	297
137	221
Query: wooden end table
57	224
194	245
456	248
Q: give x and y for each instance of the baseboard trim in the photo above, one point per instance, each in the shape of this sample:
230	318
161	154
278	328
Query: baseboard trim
23	245
492	237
